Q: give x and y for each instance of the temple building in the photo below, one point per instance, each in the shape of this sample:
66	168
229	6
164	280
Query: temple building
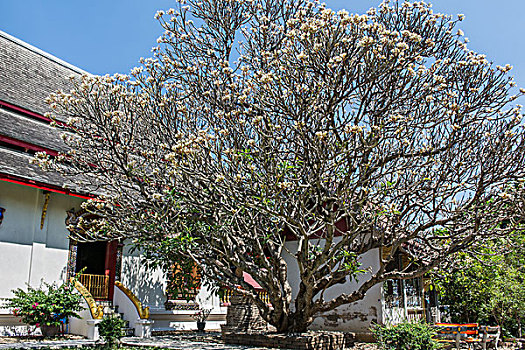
36	208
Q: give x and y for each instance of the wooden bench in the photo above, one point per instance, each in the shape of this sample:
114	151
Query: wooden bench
469	333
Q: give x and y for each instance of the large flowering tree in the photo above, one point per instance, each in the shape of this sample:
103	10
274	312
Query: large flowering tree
262	129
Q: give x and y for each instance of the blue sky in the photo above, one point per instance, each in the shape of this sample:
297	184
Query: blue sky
108	36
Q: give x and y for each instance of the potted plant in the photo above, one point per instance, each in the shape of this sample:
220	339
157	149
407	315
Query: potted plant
46	307
201	316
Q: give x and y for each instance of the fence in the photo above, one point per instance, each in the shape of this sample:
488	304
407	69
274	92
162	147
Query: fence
97	285
227	293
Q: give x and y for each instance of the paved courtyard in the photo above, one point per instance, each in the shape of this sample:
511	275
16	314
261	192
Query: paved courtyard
210	342
183	341
48	344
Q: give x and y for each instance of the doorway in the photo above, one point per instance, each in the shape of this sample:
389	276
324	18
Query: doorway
97	263
91	258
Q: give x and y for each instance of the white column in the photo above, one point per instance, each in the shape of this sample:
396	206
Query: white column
143	328
92	329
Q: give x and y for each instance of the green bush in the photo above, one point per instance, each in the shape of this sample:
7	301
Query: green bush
111	330
487	284
406	336
47	305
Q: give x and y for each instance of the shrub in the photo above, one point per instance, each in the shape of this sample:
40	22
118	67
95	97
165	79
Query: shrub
486	285
406	336
111	330
47	305
201	315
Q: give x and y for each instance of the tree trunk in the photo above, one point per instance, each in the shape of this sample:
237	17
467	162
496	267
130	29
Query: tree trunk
283	324
300	323
302	317
295	322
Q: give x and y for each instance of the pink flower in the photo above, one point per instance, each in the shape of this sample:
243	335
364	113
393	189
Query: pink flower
38	324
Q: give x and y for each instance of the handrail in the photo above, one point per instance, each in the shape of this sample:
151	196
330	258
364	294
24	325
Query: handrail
97	285
97	311
143	312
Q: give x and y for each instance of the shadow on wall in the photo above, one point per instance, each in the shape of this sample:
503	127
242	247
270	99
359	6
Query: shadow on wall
63	274
148	285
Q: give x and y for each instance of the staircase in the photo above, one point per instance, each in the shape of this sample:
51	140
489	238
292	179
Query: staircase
112	310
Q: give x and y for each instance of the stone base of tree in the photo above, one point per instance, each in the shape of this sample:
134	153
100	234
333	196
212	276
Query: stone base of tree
307	341
518	343
244	316
365	337
245	326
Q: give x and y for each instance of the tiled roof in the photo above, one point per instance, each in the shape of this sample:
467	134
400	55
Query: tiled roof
27	77
17	164
15	126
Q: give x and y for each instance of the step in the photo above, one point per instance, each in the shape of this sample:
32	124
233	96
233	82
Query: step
109	310
129	332
105	302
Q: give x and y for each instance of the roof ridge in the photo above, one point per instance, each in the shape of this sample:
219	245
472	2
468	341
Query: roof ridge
42	53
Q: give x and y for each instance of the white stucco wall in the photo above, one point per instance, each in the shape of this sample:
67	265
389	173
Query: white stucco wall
79	326
356	317
147	285
29	254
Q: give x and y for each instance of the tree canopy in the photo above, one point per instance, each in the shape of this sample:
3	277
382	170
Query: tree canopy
487	285
262	129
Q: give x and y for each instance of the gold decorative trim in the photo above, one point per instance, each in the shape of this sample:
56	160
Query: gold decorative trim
143	312
44	209
97	311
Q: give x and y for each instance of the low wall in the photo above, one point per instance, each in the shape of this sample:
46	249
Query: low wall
79	326
126	307
306	341
243	316
165	320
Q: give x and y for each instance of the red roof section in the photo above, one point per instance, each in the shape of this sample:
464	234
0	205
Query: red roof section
249	279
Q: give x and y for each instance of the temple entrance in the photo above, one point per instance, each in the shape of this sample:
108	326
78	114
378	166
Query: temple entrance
91	257
98	263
